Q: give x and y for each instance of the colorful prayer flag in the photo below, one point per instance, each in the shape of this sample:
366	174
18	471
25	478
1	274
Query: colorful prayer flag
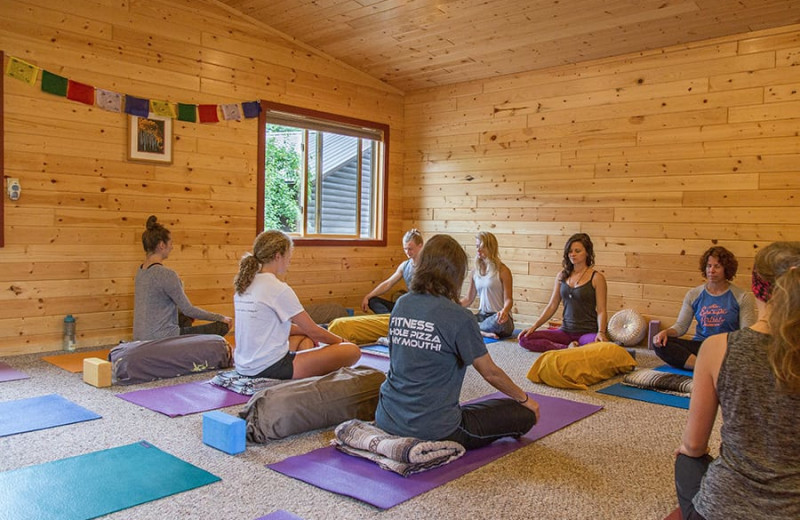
80	92
54	84
231	112
22	70
187	112
108	100
251	109
137	106
162	108
208	113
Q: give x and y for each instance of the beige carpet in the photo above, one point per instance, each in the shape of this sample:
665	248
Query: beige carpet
615	464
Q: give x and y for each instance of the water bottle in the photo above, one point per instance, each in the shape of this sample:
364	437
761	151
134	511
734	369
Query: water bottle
69	333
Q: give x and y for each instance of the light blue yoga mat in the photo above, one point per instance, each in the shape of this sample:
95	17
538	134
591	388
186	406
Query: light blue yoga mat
96	484
649	396
39	413
493	340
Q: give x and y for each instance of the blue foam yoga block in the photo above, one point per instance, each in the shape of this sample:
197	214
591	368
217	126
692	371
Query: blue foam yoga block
224	432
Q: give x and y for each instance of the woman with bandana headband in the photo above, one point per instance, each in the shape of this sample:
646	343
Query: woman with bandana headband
717	305
753	375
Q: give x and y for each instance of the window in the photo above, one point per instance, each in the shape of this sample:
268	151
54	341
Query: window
322	177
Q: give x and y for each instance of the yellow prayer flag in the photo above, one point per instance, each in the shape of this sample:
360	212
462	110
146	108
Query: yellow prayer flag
162	108
22	70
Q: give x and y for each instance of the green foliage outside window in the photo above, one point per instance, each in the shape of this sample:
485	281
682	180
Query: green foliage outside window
282	183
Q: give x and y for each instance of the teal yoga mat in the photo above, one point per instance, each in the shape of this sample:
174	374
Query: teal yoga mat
96	484
648	396
39	413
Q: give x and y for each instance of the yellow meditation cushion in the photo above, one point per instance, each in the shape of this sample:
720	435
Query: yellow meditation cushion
581	366
361	329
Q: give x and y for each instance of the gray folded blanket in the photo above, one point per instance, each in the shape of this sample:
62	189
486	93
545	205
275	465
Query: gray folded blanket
403	455
677	384
245	385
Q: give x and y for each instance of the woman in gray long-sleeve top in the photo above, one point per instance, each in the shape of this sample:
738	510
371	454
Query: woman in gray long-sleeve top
160	297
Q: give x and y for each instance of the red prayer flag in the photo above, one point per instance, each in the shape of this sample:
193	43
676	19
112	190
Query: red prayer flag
80	92
207	113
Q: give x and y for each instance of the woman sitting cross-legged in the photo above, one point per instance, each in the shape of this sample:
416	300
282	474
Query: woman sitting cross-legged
275	336
432	341
491	281
583	291
717	305
753	376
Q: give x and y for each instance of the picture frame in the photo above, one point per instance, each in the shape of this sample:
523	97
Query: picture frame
150	139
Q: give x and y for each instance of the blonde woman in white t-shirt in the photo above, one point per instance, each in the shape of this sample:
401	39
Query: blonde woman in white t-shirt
275	336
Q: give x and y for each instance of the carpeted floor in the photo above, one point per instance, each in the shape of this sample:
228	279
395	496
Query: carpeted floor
616	463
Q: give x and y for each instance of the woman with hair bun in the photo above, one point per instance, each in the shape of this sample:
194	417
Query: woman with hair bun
753	376
275	336
161	308
717	305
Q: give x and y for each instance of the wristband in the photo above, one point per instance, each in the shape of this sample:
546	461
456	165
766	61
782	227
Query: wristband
524	400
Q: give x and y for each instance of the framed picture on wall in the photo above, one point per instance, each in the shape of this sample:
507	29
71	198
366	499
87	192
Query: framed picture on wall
150	139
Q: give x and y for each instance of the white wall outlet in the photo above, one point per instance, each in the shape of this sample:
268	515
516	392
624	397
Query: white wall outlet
13	188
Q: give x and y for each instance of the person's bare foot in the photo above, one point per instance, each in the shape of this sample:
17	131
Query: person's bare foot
573	344
489	335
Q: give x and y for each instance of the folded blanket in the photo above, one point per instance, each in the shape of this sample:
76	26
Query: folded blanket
245	385
677	384
403	455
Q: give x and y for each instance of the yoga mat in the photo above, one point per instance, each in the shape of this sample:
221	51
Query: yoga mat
494	340
9	374
673	370
280	514
377	348
185	399
332	470
96	484
376	361
74	362
648	396
40	413
675	515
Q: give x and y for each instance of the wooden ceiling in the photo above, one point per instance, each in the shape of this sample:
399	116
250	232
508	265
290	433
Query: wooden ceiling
413	44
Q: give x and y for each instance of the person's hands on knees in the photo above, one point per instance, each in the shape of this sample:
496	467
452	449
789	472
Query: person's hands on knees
660	339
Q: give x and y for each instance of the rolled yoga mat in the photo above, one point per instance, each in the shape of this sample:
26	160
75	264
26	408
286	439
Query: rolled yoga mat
10	374
96	484
40	413
185	399
328	468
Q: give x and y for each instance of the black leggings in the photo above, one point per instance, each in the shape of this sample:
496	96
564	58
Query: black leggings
677	351
689	472
484	422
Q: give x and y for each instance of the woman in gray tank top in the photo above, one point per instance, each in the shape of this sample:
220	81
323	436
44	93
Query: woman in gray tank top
753	375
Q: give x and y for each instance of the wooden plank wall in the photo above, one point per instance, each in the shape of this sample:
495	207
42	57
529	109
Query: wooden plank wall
657	156
73	239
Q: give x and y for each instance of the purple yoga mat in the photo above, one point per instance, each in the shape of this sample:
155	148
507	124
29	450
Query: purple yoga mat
280	514
185	399
9	374
375	361
332	470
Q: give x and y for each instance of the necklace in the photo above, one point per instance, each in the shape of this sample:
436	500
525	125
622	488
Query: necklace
571	288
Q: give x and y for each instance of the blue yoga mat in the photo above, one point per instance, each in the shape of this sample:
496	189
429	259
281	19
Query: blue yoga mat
673	370
40	413
96	484
648	396
493	340
377	348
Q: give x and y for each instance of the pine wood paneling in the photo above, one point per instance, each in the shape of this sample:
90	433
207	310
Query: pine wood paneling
73	240
658	157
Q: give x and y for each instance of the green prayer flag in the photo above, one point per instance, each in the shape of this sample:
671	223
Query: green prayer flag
187	112
54	84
